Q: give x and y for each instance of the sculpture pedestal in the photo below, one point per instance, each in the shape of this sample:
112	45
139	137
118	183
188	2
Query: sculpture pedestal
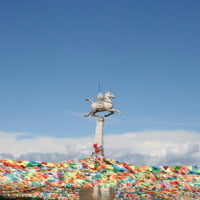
98	141
96	193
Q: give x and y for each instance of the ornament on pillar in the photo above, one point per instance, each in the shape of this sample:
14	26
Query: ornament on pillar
104	103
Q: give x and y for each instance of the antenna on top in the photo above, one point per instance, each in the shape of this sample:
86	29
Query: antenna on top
99	86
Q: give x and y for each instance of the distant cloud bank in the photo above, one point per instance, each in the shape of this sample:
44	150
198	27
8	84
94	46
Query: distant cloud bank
178	147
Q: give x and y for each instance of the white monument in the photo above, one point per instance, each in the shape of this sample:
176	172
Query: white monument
103	103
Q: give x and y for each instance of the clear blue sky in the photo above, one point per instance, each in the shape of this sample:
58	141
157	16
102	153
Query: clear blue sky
54	53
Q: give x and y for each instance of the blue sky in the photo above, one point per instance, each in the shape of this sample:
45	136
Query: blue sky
54	53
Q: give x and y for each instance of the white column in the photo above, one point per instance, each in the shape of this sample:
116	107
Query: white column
99	135
102	193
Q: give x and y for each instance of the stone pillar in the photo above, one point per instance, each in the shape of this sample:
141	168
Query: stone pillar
103	193
98	140
96	193
86	193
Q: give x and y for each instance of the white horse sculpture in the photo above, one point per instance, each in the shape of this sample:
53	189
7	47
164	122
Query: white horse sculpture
104	104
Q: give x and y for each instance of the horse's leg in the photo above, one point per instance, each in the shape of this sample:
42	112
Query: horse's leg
86	115
94	114
111	112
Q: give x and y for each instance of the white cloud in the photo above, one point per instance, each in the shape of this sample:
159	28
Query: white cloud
177	147
15	144
157	147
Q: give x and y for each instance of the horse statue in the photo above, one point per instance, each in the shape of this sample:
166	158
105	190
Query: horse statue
104	103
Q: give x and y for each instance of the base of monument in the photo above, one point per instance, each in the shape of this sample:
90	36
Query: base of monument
96	193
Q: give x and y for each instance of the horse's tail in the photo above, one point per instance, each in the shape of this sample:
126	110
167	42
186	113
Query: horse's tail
88	99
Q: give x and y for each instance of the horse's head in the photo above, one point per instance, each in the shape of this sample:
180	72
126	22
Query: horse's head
109	94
